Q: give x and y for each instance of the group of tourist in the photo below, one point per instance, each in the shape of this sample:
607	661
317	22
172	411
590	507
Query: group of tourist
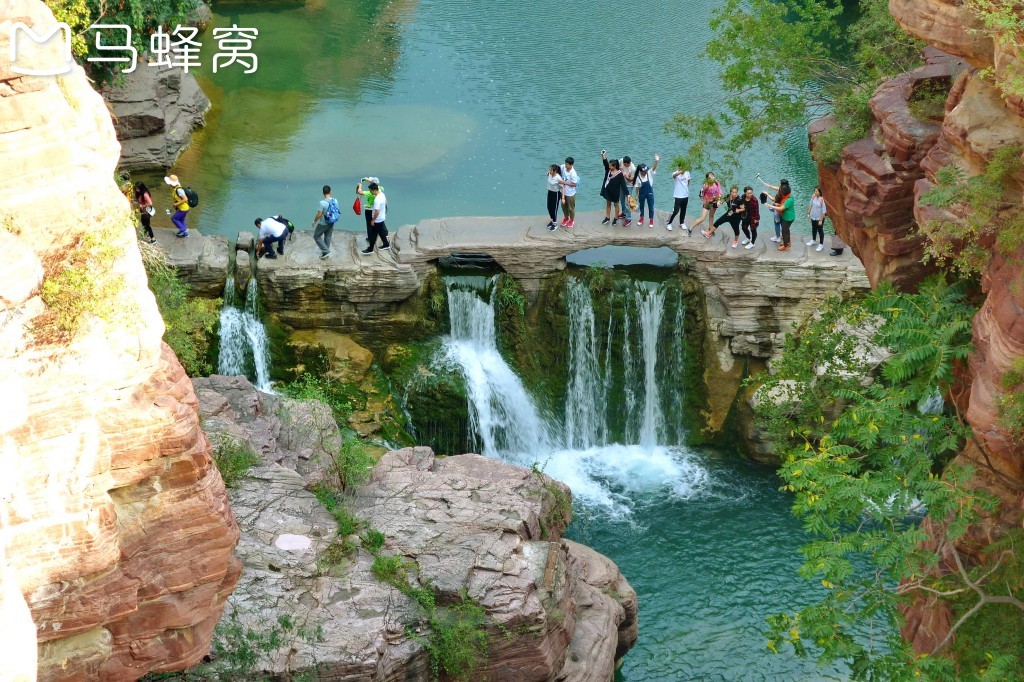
627	186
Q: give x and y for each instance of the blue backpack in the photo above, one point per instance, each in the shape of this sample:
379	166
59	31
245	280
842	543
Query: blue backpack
333	212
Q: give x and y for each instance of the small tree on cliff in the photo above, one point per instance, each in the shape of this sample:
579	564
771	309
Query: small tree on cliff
786	63
866	459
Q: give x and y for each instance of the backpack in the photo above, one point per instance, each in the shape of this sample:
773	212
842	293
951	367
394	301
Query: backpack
333	213
284	221
192	197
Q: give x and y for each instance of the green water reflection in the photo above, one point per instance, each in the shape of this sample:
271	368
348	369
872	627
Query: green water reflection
458	106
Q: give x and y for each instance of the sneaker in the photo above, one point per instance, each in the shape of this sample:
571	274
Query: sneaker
551	227
784	247
270	254
836	252
621	216
810	243
669	227
705	234
152	240
735	243
684	227
626	223
280	252
615	222
605	221
570	223
367	251
551	223
326	255
565	221
650	223
640	222
386	247
820	247
774	239
181	235
745	242
749	246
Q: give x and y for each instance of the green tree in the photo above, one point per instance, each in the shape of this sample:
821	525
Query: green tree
143	16
854	408
785	63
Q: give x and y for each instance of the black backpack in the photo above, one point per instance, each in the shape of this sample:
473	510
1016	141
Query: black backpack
284	221
191	197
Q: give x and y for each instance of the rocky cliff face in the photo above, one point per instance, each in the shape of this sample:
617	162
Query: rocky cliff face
880	182
467	525
116	528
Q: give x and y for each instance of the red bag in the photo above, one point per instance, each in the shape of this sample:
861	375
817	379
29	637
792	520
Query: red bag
357	206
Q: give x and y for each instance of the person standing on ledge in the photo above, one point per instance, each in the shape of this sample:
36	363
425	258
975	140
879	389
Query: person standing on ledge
570	180
816	212
323	223
627	193
271	230
144	202
751	217
680	196
645	189
380	210
554	195
612	186
367	199
179	199
787	212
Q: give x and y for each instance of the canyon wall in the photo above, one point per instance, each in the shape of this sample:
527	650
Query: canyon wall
876	193
116	530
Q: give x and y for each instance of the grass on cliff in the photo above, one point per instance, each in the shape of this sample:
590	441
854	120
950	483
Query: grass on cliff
233	459
189	322
456	638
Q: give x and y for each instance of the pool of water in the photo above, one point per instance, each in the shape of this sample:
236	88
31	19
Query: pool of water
458	106
709	561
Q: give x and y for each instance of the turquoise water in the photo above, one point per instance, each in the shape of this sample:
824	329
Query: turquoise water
708	568
458	106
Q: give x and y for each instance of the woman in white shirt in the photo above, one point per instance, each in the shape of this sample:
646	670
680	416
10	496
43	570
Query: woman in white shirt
817	212
554	194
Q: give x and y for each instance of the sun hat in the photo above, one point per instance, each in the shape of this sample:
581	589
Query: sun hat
171	180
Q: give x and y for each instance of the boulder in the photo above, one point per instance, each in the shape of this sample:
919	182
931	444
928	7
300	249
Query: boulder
155	110
346	360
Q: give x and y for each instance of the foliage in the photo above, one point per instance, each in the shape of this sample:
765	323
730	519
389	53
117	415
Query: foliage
981	215
784	63
864	460
373	541
239	653
457	640
508	295
1003	21
334	394
189	323
233	458
852	122
143	16
332	500
928	101
81	281
1011	401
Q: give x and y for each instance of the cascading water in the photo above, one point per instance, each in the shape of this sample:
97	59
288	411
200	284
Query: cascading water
244	347
602	455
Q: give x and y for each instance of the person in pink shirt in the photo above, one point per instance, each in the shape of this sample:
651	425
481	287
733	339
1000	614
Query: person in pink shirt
710	196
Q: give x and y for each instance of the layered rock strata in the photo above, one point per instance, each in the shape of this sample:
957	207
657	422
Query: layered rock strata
116	527
468	525
155	110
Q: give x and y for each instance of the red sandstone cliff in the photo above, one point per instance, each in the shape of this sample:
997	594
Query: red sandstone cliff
115	524
875	193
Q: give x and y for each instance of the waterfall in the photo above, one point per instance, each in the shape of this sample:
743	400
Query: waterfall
585	409
503	417
625	359
244	347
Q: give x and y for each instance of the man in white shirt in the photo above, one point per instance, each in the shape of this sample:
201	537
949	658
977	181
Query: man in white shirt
570	180
680	195
377	227
270	231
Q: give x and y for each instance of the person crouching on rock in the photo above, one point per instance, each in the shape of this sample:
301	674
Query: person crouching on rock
270	231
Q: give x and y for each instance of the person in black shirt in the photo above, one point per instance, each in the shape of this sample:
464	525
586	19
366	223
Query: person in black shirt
735	208
612	187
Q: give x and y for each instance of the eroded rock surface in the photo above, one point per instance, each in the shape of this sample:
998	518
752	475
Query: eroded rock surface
468	524
155	110
118	533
